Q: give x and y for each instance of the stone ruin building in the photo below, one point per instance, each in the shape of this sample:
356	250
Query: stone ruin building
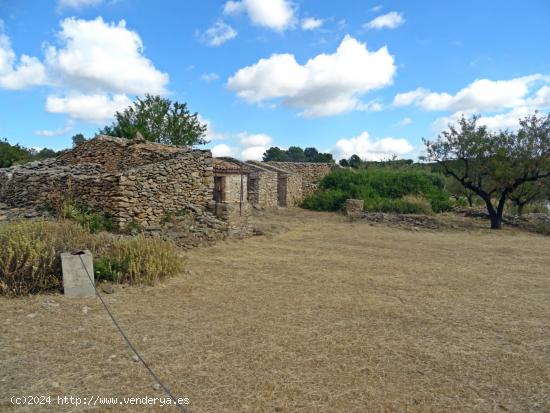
230	192
285	186
142	183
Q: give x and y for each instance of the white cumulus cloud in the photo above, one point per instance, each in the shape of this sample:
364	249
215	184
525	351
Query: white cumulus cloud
91	69
482	94
389	20
499	102
327	84
223	150
311	23
541	98
26	72
254	145
494	122
274	14
96	108
246	146
259	139
218	34
369	149
253	153
95	55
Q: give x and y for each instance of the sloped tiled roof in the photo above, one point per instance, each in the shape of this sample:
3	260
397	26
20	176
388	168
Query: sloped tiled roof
230	165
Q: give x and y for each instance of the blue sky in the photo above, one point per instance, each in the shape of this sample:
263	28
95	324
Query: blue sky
366	77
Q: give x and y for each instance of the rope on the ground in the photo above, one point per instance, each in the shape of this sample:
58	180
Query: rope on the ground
125	337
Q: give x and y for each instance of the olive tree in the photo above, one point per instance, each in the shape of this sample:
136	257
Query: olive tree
493	164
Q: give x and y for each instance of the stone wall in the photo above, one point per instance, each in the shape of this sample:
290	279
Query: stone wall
232	187
235	215
262	188
289	185
144	193
45	183
311	173
117	154
148	193
294	190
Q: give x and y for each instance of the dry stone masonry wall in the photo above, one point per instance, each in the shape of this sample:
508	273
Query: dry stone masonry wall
289	184
117	154
262	188
311	173
134	182
148	193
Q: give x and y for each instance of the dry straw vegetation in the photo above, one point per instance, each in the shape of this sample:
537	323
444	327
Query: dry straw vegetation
30	262
327	315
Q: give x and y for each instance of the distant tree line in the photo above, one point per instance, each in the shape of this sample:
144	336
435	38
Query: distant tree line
354	161
17	154
296	154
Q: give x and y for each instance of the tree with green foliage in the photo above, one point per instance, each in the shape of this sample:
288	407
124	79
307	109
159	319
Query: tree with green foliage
493	165
311	153
458	191
17	154
12	154
275	154
530	192
296	154
158	120
354	161
78	139
44	153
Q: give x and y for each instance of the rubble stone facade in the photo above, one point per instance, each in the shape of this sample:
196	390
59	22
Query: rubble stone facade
289	185
310	173
262	187
131	180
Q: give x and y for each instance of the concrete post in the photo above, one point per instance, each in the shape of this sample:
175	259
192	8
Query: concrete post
76	282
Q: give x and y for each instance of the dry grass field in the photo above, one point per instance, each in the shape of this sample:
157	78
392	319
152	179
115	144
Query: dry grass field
323	315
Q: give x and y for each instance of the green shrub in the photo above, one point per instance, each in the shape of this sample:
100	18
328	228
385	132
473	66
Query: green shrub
110	268
439	200
30	256
329	200
382	189
93	221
